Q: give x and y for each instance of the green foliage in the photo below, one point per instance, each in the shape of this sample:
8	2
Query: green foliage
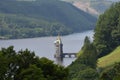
87	74
24	65
84	67
112	73
74	69
23	19
13	26
9	55
36	73
3	66
107	31
89	54
107	37
109	59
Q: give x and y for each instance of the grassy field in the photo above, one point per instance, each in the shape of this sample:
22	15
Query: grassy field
110	59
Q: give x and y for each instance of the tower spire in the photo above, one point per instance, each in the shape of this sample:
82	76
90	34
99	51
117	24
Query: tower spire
59	50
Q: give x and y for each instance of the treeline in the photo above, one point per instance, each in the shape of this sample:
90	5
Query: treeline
107	31
21	19
14	26
106	39
25	65
84	68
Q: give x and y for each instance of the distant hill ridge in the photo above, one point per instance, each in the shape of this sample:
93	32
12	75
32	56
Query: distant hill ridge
95	7
55	12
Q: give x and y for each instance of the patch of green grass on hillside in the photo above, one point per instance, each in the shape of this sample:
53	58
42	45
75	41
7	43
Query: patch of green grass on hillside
110	59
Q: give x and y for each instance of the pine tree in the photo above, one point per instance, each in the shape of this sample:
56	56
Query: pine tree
107	31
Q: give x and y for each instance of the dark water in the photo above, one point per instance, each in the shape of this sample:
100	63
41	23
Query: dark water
44	46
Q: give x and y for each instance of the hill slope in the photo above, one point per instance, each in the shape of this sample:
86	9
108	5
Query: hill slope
95	7
110	59
52	11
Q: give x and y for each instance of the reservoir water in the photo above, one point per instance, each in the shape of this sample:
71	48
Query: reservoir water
44	46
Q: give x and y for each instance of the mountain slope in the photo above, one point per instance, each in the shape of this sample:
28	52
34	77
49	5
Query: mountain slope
110	59
14	26
52	11
95	7
85	6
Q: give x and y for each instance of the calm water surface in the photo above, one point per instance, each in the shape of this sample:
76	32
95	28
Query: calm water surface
44	46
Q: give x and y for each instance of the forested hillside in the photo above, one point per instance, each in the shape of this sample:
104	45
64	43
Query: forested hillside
22	19
100	59
84	67
107	31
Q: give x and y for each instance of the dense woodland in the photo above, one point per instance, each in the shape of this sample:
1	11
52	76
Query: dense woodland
106	39
25	65
107	31
26	19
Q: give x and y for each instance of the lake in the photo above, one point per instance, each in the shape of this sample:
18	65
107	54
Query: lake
44	46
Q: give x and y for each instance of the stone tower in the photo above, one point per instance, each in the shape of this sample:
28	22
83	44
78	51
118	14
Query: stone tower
59	50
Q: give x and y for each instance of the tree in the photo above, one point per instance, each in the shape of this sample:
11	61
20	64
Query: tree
84	67
107	31
89	53
31	73
45	18
24	65
3	66
10	57
52	71
87	74
112	73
